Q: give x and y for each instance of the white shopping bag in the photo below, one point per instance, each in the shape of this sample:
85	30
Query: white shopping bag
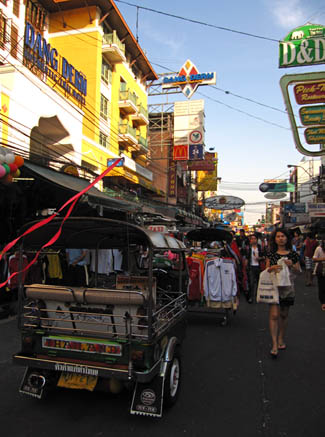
283	276
267	291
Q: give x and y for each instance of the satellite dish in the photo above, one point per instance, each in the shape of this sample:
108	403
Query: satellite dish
275	196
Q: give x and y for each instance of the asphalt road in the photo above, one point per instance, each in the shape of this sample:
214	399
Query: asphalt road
230	386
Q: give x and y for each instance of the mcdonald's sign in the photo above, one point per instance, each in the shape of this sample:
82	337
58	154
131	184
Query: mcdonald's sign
180	153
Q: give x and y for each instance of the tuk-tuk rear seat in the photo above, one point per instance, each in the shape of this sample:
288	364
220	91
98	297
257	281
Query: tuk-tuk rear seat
82	295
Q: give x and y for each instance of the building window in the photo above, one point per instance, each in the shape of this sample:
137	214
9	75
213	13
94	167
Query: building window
15	8
103	140
36	15
106	72
3	31
104	107
14	41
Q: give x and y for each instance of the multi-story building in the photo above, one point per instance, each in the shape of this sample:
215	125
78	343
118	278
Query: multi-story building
73	87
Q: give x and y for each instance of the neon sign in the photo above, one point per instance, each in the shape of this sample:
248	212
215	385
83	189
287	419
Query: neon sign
188	79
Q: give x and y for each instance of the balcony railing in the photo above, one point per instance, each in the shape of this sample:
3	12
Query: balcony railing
113	48
140	118
143	142
128	102
125	130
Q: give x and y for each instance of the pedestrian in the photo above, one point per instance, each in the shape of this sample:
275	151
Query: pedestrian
319	259
254	257
310	245
280	247
77	267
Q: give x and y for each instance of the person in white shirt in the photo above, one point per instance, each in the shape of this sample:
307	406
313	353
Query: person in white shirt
254	257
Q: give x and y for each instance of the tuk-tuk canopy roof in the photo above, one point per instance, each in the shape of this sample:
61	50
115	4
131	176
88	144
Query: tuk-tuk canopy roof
96	232
217	233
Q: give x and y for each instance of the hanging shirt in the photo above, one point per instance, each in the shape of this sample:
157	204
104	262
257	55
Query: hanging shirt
105	261
220	280
13	265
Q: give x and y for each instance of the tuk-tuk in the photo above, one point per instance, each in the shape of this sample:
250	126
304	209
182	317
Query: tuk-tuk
124	330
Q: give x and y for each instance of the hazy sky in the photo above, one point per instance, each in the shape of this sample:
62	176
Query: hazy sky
250	147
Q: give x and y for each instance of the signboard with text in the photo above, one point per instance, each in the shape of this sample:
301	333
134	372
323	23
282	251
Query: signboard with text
188	79
304	45
316	209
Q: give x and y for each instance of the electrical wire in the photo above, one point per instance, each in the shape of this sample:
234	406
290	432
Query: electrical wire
202	23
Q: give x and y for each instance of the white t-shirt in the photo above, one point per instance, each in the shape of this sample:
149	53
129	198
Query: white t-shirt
254	258
319	253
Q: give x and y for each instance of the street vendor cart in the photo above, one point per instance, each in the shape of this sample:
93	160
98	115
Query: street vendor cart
122	330
213	270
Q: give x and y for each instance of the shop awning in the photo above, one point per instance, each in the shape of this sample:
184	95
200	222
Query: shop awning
75	185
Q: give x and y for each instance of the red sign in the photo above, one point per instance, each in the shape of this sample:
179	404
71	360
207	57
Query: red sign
180	153
201	165
172	180
310	92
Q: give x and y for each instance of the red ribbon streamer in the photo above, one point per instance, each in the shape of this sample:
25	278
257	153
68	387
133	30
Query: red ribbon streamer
47	220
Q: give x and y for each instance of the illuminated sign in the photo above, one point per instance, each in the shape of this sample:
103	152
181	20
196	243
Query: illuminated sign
39	53
303	46
188	79
75	345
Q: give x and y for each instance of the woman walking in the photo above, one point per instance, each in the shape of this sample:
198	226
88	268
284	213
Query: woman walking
280	247
319	258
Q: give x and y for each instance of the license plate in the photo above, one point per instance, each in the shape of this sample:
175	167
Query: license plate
71	380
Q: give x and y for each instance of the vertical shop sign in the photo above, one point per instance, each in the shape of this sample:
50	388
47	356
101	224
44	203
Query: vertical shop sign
172	180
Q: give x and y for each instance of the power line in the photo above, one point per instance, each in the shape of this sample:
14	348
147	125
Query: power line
202	23
244	112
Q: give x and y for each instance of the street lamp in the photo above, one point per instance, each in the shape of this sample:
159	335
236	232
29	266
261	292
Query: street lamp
310	175
299	166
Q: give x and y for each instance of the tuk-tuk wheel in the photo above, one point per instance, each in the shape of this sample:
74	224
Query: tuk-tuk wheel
172	380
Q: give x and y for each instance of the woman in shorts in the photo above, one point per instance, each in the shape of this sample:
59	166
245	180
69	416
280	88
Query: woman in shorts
280	247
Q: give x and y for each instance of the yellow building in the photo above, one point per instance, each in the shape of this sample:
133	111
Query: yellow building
83	74
97	40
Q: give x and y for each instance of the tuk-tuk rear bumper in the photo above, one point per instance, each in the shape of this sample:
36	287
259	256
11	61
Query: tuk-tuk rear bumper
94	370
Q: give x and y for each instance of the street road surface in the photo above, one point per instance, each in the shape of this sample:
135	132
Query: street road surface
230	386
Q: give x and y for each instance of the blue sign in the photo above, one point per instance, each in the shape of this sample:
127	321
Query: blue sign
112	161
295	207
195	152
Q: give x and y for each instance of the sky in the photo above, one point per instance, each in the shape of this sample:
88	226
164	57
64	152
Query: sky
253	142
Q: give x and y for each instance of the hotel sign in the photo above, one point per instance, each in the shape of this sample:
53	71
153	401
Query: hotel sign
188	79
39	54
303	46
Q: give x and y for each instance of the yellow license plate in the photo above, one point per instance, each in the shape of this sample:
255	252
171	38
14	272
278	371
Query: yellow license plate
72	380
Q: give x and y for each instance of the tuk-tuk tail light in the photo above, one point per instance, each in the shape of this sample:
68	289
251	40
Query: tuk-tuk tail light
137	355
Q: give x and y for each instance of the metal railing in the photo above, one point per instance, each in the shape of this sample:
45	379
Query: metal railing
143	111
128	95
112	38
126	129
143	142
